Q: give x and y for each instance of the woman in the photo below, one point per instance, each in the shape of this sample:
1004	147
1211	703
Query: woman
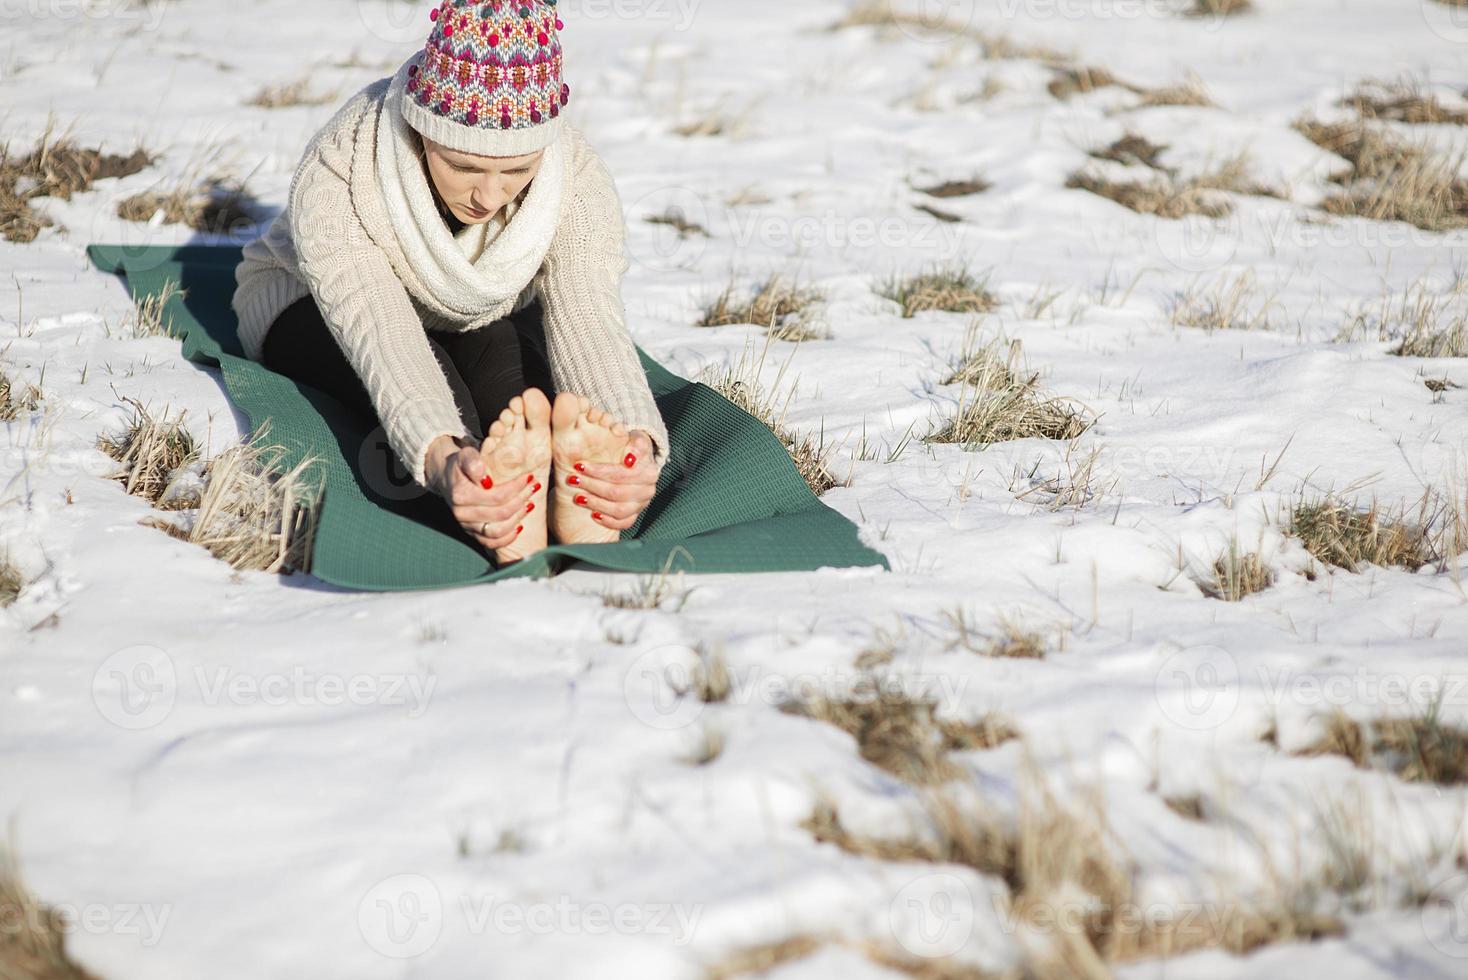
449	238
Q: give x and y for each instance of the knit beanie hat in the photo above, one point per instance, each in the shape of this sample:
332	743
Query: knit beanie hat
489	79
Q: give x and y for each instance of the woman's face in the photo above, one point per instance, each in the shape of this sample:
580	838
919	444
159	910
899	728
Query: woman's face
473	187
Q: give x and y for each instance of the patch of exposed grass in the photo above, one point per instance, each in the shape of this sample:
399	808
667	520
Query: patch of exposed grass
739	383
1072	80
32	935
152	451
1169	197
1237	574
1188	807
149	317
11	583
1131	149
956	188
1188	93
1423	323
1231	303
15	400
900	734
718	121
1008	638
1156	196
760	959
674	218
58	168
290	94
998	403
1219	8
951	288
1402	101
1418	749
782	307
709	681
1068	876
216	206
895	24
1344	537
1390	179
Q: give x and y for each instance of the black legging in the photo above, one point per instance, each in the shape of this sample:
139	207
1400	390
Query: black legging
485	368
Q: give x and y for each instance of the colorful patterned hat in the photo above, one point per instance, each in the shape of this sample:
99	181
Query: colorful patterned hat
489	79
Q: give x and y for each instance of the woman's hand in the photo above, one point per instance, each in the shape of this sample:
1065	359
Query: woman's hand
454	469
618	492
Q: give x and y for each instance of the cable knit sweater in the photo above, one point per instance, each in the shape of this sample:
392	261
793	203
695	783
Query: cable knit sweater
361	232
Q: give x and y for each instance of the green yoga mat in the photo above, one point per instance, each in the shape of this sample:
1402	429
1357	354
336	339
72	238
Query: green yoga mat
729	499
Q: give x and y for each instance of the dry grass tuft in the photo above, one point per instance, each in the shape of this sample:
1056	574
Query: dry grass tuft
149	318
16	401
709	680
1170	197
1188	93
1237	574
242	507
1392	180
1072	80
1069	880
1188	807
254	514
11	583
1345	537
1133	149
216	206
950	289
956	188
152	451
54	168
32	935
296	93
1402	101
998	403
1424	324
1219	8
739	384
899	734
1160	197
783	308
674	218
763	958
896	24
1228	304
1419	749
1008	639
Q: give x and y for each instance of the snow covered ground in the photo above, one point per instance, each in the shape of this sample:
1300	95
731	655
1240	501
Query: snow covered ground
244	775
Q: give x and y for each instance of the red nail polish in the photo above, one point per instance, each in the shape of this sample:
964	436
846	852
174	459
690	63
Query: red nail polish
529	477
487	483
529	507
581	498
581	467
519	528
574	480
535	489
595	516
630	460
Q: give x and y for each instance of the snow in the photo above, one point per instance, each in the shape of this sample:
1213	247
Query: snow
243	775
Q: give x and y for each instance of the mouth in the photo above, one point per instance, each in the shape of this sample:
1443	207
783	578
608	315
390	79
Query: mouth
476	213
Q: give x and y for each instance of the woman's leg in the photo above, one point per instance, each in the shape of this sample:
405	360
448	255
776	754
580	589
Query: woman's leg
501	360
299	345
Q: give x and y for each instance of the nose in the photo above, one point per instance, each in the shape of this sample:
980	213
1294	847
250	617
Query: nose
486	195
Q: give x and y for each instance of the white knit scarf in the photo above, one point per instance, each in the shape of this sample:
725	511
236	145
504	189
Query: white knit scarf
514	255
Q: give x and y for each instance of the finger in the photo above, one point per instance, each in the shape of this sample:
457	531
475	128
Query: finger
628	487
471	464
617	509
644	471
465	493
474	516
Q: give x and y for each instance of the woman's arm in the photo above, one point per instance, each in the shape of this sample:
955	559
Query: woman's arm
580	284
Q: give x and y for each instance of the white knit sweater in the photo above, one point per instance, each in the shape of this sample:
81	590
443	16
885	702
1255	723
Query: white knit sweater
361	232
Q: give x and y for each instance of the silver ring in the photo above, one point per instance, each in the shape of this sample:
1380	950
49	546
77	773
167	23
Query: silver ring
484	529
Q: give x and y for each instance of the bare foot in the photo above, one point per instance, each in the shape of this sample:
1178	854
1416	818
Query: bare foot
519	442
581	431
